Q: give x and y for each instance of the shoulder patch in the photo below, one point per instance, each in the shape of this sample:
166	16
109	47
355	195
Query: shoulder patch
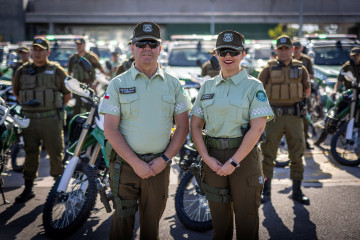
261	96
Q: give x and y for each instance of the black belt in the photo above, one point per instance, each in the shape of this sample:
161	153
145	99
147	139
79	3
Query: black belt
145	157
223	143
279	111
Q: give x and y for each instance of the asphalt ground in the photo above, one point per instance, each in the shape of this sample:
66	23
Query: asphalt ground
333	213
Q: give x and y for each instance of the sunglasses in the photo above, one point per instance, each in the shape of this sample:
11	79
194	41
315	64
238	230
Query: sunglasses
224	52
142	44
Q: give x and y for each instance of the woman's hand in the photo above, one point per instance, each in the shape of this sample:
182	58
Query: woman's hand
226	169
213	163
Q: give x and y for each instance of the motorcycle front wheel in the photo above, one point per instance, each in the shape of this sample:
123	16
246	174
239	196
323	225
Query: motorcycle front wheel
17	157
345	152
192	208
64	213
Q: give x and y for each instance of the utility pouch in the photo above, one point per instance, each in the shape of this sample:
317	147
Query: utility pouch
110	152
195	169
301	108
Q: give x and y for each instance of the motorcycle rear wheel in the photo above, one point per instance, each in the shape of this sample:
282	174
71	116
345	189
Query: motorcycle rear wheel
192	208
65	213
343	152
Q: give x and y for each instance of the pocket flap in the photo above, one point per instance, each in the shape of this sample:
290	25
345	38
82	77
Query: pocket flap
205	103
239	103
168	99
256	180
128	98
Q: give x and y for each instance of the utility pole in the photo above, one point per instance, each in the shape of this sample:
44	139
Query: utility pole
301	18
212	19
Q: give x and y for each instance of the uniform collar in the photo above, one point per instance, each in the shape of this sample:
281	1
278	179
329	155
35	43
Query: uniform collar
135	72
236	79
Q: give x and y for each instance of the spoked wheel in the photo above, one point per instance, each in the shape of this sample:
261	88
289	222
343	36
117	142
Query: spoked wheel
282	159
344	151
192	208
64	213
17	157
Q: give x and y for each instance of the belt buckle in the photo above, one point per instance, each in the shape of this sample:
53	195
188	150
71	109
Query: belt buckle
224	143
279	111
148	157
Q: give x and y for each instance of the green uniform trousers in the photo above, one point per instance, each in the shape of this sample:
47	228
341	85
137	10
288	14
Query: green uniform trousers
245	185
152	194
293	128
306	128
48	131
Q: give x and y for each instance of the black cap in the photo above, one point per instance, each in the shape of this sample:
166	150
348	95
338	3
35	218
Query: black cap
146	30
355	51
79	40
284	40
41	42
297	44
230	39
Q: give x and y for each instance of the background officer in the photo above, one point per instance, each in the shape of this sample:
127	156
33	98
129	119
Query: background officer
77	72
139	108
207	69
232	175
43	81
114	64
125	65
306	61
286	83
355	69
24	53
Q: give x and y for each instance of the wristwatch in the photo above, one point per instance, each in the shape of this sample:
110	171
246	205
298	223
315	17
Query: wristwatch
235	164
167	160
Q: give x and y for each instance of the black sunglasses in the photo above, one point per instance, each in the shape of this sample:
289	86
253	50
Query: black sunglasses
142	44
232	52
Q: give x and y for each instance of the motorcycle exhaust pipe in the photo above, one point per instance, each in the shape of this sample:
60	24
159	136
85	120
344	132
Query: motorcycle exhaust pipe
349	129
66	176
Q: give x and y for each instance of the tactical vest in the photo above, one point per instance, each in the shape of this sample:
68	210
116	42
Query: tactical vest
40	86
285	86
79	73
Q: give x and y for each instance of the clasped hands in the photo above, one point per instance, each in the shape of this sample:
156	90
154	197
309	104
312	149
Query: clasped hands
220	169
145	170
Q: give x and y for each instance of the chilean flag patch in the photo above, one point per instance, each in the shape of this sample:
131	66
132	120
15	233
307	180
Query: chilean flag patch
106	96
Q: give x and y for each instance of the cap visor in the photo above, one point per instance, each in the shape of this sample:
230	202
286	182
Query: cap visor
146	37
228	46
284	45
39	45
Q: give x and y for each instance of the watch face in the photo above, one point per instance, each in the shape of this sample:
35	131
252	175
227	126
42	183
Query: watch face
169	162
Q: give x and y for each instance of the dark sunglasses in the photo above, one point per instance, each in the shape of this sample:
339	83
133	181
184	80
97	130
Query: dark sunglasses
142	44
232	52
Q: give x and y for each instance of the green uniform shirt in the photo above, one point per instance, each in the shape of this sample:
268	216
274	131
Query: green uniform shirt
146	108
228	104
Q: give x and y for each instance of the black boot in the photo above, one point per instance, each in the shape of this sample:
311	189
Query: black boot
266	193
28	192
297	194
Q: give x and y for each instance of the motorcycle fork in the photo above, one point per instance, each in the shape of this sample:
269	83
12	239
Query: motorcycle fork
350	126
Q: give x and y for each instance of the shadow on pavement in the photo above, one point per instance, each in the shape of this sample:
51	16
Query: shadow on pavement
274	224
304	228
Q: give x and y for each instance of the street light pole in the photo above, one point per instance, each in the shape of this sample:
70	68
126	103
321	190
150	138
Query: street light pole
212	19
301	18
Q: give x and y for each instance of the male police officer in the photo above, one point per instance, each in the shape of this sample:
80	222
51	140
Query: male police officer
126	64
78	72
43	81
353	68
286	83
139	108
24	53
207	69
306	61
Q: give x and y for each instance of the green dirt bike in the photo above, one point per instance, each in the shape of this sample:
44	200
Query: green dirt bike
11	123
74	194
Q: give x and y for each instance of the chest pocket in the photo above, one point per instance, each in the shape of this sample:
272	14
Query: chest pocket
208	108
168	106
129	105
241	111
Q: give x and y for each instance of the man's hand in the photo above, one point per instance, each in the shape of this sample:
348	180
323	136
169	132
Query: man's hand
226	169
143	169
157	165
213	163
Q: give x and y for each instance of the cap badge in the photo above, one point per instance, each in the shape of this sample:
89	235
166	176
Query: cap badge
147	28
228	37
38	40
282	40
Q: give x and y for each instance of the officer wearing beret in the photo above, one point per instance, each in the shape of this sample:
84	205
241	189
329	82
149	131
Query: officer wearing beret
306	61
233	107
43	81
286	82
354	69
139	108
78	72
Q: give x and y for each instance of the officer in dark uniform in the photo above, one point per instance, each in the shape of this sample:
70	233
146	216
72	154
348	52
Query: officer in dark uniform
77	72
355	57
286	83
24	53
43	81
139	108
233	106
126	64
305	59
207	69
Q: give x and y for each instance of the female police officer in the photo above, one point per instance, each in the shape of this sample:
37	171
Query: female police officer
229	104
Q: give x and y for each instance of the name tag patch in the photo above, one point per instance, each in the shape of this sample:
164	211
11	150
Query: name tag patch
127	90
207	96
49	72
